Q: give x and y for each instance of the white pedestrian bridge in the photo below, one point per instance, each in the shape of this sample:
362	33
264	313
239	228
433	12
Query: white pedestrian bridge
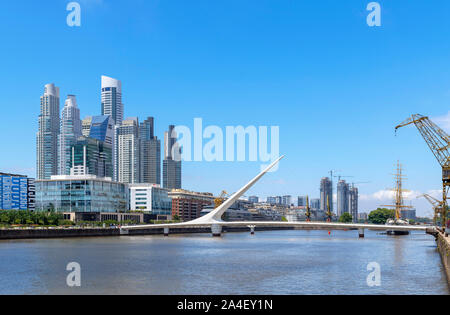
213	220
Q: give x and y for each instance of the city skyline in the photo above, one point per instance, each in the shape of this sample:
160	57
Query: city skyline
374	79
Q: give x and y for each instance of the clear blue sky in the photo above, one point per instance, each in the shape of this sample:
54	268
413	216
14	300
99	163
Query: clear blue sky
334	86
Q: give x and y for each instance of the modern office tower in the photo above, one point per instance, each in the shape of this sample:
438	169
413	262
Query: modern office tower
47	135
279	200
326	194
86	126
102	128
286	200
70	131
353	203
315	204
172	161
112	99
126	145
342	197
301	201
90	156
253	199
150	153
271	200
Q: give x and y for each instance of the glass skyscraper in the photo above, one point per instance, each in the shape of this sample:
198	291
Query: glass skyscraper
171	163
70	130
47	135
150	153
112	99
94	156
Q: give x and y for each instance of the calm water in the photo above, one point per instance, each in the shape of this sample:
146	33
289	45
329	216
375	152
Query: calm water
276	262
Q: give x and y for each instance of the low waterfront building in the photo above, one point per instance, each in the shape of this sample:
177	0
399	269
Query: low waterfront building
187	205
104	216
86	193
17	192
150	198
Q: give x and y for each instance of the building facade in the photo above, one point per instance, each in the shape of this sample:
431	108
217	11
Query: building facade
150	198
47	135
70	131
353	202
90	156
87	193
342	197
126	168
172	161
188	205
315	203
16	192
253	199
301	201
112	99
150	153
326	194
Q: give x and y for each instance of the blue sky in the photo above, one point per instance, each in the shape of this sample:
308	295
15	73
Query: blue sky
334	86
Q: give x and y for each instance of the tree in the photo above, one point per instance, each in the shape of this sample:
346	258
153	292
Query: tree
381	215
346	218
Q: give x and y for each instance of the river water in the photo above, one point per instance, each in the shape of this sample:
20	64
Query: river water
273	262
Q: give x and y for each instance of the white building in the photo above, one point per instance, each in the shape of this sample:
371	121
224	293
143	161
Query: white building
112	99
150	198
126	162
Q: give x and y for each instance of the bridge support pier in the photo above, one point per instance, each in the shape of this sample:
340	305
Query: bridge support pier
252	229
361	233
166	231
216	230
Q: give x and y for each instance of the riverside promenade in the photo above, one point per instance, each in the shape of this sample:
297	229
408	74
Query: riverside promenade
443	244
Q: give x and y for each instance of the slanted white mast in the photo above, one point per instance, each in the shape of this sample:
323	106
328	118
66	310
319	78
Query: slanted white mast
216	214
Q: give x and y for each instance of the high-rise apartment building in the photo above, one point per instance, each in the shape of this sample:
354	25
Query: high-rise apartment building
172	160
47	135
301	201
112	99
126	169
326	194
150	153
286	200
342	197
70	131
353	202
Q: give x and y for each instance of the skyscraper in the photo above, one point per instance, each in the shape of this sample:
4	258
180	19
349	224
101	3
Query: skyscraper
47	135
112	99
301	201
353	203
70	130
126	169
172	161
150	153
91	156
342	197
326	194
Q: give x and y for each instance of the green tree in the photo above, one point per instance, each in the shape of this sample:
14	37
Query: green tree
346	218
381	215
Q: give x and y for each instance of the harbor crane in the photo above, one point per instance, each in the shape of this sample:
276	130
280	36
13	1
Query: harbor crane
439	143
219	200
437	205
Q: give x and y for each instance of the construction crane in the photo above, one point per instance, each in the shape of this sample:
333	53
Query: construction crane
437	205
439	143
328	213
219	200
308	210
